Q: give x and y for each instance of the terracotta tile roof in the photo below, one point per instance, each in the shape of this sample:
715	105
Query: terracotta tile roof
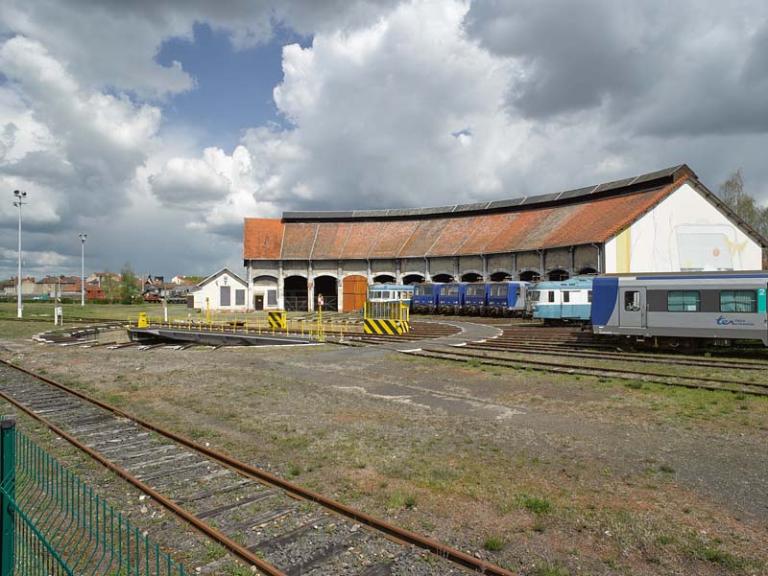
298	241
585	220
360	240
262	238
330	240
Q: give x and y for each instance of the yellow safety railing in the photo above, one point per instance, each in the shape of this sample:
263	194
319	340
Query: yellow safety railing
319	328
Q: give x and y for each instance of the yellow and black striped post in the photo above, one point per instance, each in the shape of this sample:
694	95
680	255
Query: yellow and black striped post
386	318
383	326
278	320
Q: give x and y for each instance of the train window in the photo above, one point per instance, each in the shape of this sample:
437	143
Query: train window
423	290
566	296
534	295
738	301
589	296
551	295
683	301
632	301
477	290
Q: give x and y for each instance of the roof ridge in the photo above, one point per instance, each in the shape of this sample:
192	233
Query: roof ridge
647	181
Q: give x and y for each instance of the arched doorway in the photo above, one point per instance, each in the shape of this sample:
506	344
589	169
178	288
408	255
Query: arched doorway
501	276
295	293
530	276
384	279
355	289
442	278
471	277
587	270
328	287
413	279
558	275
264	292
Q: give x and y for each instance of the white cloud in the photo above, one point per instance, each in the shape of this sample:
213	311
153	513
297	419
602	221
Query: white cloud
83	145
375	112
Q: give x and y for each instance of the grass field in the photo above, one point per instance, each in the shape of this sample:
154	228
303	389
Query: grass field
44	311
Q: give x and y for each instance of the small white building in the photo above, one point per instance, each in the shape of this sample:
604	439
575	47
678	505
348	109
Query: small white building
222	291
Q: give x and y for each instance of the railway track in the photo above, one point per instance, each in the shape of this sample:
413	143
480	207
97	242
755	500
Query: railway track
705	383
278	527
576	352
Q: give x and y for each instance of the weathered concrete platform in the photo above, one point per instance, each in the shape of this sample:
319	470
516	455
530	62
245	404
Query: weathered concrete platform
212	338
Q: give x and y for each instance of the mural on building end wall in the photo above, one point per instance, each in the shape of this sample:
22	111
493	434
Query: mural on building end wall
708	247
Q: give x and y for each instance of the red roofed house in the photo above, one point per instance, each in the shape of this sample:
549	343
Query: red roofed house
663	221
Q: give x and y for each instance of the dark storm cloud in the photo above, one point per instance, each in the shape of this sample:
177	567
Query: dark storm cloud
657	68
575	53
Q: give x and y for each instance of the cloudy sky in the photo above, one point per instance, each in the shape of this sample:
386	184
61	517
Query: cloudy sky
155	126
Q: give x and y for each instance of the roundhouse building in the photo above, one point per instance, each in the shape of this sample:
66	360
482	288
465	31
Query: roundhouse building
663	221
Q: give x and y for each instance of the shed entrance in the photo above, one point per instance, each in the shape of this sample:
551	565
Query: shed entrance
295	293
413	278
384	279
327	286
355	289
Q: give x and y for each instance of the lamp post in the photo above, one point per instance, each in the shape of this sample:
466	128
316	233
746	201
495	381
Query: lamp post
82	268
19	202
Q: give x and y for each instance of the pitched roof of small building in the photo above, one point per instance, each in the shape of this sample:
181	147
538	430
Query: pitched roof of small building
215	275
583	216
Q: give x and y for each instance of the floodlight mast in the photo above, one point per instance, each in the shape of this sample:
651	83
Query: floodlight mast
82	268
19	202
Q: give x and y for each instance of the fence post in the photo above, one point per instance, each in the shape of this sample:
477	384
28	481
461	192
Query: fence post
8	482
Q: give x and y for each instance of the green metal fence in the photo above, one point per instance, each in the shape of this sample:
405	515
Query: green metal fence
52	523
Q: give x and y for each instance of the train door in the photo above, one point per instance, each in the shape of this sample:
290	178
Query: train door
632	311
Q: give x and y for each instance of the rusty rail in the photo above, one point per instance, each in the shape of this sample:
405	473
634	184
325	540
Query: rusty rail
211	532
400	534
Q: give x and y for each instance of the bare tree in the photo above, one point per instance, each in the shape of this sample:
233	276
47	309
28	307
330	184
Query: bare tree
737	199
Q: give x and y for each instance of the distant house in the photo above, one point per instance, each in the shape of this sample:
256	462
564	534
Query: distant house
28	286
58	286
102	278
94	292
223	290
186	280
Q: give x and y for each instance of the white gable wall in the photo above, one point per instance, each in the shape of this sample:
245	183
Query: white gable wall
684	232
212	291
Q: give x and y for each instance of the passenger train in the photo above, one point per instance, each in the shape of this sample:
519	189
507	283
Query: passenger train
721	306
390	293
476	298
564	301
712	305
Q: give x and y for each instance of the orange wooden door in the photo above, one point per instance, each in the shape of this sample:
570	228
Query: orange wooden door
355	293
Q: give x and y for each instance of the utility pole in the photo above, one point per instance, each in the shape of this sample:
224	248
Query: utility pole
18	203
82	268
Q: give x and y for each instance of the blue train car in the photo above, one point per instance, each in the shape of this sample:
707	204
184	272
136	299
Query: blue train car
475	298
506	298
564	301
424	300
450	297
